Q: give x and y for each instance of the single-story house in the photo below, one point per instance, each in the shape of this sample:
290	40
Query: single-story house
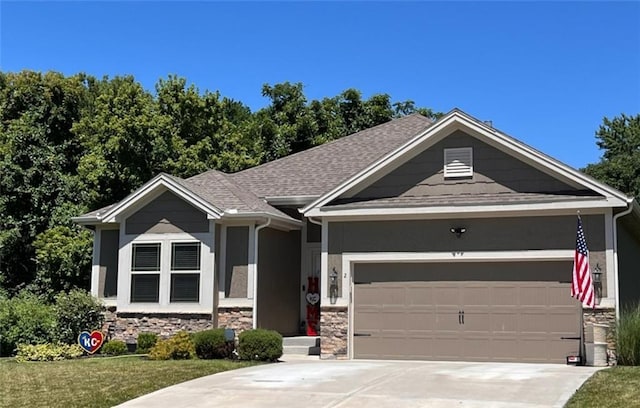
436	240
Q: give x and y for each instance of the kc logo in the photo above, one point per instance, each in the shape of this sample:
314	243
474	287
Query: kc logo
90	342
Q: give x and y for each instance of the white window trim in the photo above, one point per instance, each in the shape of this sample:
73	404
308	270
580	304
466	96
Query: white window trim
184	271
458	150
207	262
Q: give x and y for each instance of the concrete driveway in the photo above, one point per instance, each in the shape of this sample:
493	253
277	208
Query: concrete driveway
365	383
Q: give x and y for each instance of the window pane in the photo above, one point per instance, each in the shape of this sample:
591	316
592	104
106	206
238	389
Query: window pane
185	287
145	287
185	256
146	257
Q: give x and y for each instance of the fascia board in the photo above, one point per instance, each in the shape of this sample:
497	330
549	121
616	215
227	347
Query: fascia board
466	209
86	220
291	200
160	180
253	215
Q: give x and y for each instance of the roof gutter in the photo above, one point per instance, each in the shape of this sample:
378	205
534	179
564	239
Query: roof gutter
230	214
615	253
255	271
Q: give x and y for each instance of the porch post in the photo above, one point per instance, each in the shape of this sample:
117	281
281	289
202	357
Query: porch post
95	265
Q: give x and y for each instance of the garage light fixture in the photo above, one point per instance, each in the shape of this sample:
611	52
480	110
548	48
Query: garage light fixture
333	287
597	282
458	231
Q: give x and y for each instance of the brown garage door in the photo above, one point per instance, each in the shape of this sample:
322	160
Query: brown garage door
501	311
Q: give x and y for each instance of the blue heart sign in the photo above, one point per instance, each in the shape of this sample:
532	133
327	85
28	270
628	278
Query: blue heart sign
91	342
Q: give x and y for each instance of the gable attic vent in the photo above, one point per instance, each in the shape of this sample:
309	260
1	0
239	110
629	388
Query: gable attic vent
458	162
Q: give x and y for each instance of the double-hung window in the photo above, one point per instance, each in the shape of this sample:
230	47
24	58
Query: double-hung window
185	272
145	272
154	264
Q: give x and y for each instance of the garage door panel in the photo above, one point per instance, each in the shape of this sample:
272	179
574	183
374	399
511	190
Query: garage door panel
421	320
419	294
508	314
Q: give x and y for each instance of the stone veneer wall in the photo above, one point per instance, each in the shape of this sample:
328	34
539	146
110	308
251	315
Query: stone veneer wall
608	317
334	335
127	326
236	318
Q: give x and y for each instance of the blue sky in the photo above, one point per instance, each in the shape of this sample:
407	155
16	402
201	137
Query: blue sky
543	72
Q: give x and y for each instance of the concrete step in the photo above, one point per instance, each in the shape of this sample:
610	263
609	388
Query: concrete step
308	341
301	346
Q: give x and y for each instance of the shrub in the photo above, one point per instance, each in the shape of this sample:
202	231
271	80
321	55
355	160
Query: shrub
628	337
145	342
47	352
212	344
260	345
114	348
25	318
178	347
76	312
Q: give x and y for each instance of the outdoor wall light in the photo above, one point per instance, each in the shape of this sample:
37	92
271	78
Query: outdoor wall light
458	231
597	282
597	274
333	286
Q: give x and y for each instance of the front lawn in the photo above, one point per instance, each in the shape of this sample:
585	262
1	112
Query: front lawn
613	387
96	382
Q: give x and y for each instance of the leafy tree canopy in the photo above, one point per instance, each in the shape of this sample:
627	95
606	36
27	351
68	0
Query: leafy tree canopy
619	167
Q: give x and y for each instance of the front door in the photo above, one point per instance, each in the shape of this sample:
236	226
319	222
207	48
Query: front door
310	269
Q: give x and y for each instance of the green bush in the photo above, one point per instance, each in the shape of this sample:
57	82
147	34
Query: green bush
211	344
628	337
25	318
145	342
114	348
260	345
47	352
178	347
77	311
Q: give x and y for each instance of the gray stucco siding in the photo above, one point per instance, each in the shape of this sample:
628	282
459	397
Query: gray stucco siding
279	281
109	245
628	266
168	213
497	234
237	259
494	172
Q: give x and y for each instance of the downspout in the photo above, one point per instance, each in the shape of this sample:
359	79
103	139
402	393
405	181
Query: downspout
615	255
255	271
314	221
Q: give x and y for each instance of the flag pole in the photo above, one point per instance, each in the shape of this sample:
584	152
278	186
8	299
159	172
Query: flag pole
582	350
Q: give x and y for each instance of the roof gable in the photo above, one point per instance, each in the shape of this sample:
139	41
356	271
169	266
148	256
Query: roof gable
493	172
154	188
451	123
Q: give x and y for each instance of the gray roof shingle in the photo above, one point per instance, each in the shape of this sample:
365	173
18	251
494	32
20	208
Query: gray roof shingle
315	171
217	189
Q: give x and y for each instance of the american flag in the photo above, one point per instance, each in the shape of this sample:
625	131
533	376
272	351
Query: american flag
581	284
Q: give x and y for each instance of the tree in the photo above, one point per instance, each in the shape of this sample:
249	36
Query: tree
290	124
620	163
38	157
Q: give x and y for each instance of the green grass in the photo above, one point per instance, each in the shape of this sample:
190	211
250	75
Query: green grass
96	382
614	387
